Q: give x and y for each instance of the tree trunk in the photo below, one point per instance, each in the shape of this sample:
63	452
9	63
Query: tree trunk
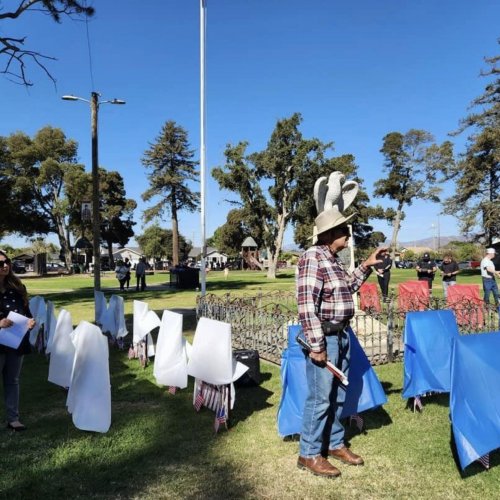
278	243
64	242
395	231
271	263
110	254
175	238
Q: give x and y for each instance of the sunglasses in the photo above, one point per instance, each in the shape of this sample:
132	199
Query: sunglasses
4	263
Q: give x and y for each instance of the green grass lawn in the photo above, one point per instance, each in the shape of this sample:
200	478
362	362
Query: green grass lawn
159	447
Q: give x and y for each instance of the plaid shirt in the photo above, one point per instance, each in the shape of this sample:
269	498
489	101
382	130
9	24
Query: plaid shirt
324	292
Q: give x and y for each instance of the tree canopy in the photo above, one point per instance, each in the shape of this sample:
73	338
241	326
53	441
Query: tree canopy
267	182
414	165
156	242
41	166
171	165
229	237
13	49
476	201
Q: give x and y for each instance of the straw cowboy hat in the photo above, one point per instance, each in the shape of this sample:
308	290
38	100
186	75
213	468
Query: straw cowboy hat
329	219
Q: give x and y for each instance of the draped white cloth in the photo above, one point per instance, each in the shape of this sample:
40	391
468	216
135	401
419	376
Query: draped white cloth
50	326
170	366
100	306
211	358
144	321
63	351
89	396
112	318
39	311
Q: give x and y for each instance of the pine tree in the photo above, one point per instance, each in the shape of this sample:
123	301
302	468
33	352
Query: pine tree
171	165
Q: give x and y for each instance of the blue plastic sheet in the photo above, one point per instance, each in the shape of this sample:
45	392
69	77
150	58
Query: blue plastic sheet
475	395
428	338
363	392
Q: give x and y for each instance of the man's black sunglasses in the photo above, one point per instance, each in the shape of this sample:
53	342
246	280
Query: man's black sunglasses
4	263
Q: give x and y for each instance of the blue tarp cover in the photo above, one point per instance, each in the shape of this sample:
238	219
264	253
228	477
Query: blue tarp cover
363	392
475	395
428	338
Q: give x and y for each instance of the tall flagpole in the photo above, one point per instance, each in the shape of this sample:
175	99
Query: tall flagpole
203	7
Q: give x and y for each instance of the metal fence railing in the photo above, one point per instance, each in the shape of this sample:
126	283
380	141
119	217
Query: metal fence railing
261	322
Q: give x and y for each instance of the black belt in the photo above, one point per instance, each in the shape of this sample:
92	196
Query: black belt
330	328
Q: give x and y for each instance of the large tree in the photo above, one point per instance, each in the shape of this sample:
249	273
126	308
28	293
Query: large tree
156	242
43	165
116	211
20	212
12	48
267	182
476	201
414	165
229	237
171	165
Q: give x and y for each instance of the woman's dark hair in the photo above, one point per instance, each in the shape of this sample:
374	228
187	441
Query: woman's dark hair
13	282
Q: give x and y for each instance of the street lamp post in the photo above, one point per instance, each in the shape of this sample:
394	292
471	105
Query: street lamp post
96	219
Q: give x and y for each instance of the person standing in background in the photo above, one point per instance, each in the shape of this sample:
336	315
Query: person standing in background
488	275
128	265
449	270
383	271
140	274
426	269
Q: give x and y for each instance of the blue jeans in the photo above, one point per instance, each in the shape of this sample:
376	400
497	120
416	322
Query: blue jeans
10	367
321	427
490	285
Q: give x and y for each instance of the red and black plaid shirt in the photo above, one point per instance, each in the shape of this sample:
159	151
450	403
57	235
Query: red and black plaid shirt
324	292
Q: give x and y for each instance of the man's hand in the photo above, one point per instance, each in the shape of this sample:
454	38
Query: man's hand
318	357
375	257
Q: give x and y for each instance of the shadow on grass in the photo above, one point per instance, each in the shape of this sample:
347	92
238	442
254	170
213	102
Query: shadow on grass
157	446
387	388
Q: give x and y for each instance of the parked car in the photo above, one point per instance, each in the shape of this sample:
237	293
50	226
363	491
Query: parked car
18	266
55	267
466	264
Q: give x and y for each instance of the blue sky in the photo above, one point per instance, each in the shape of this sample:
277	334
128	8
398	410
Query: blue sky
354	70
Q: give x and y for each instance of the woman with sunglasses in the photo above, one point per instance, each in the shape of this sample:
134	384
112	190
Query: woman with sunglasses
13	297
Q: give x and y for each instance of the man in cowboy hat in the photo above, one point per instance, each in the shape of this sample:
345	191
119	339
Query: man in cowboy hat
325	306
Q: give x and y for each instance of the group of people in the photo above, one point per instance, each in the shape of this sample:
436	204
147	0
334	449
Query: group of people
123	273
427	269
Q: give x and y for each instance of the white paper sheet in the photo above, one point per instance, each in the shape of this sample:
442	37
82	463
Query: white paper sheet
13	335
